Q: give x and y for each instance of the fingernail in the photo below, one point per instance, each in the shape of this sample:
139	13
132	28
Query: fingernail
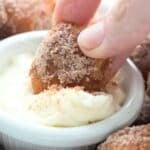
91	37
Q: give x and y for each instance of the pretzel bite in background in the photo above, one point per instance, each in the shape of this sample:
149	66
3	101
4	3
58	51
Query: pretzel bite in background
3	15
24	15
60	61
148	85
133	138
141	57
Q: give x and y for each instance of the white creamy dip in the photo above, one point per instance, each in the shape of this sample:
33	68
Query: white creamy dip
66	107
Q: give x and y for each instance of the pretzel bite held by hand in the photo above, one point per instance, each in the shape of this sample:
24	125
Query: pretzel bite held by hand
60	61
24	15
133	138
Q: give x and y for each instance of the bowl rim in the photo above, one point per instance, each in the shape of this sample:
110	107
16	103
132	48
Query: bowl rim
72	136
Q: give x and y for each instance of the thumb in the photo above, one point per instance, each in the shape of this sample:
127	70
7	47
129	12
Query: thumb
125	26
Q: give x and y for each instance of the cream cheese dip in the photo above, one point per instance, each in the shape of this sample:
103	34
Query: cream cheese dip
65	107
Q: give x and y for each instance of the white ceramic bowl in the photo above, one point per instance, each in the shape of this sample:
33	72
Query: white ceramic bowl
16	134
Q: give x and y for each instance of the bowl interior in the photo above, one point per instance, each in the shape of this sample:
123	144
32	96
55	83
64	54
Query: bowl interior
75	136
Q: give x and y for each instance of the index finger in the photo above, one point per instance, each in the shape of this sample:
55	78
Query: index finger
75	11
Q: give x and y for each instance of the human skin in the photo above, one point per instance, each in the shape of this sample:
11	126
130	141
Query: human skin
126	25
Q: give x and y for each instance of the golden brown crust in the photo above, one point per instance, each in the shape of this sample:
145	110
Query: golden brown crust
59	60
37	84
134	138
25	15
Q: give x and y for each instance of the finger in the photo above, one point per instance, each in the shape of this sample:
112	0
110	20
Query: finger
116	63
75	11
126	25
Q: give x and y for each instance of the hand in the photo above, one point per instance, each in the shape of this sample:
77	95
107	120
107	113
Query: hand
124	27
75	11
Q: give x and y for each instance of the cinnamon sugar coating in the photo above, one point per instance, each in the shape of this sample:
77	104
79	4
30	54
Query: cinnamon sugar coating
24	15
134	138
60	61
